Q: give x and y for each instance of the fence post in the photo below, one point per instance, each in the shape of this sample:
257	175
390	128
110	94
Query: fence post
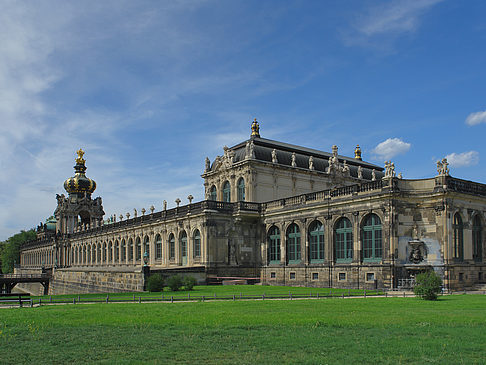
139	300
171	299
365	293
40	301
343	295
74	300
404	294
317	295
233	297
290	295
107	298
79	299
50	298
386	294
31	303
203	298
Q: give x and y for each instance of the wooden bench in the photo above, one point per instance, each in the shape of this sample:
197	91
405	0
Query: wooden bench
14	298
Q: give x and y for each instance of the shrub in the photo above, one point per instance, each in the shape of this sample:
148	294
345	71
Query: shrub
155	282
189	282
427	285
174	282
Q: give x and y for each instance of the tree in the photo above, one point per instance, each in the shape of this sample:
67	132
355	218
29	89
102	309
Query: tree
427	285
10	249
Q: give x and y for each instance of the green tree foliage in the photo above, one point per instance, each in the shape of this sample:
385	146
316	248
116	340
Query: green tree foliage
428	285
174	282
10	249
189	282
155	283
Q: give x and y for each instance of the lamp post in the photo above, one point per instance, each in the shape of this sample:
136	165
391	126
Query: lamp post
145	269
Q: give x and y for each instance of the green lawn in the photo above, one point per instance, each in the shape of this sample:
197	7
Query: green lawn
451	330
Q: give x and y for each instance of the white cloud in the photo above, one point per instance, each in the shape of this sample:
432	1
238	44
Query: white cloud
391	147
476	118
398	17
463	159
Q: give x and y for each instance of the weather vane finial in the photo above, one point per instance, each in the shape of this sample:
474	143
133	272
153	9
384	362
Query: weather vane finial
255	129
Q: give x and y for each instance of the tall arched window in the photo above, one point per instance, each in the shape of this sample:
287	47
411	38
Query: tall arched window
197	243
146	246
458	244
117	251
372	245
138	249
93	254
110	252
477	239
316	242
171	247
183	243
130	250
226	192
105	251
123	251
88	254
84	255
293	244
273	245
213	193
343	240
158	247
241	189
98	253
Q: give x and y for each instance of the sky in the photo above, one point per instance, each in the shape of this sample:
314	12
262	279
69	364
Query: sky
150	88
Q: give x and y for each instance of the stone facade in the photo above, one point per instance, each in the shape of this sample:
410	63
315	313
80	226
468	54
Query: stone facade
287	214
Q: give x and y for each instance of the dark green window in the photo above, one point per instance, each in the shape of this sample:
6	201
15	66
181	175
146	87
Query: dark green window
130	249
110	252
241	189
477	239
171	247
212	193
146	247
123	251
117	251
138	249
197	243
458	237
274	245
316	242
158	247
372	242
105	249
184	244
226	192
293	244
343	240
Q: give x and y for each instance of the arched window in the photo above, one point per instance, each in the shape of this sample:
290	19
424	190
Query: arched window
158	247
88	254
273	245
183	242
197	243
372	245
110	252
171	247
84	255
98	254
241	189
123	251
477	239
226	192
117	251
138	249
458	244
93	254
343	240
146	246
104	252
213	193
293	244
316	242
130	250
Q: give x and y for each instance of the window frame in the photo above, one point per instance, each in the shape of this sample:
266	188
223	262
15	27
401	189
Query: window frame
343	236
372	238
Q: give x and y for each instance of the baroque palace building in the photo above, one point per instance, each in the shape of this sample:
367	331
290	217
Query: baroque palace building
285	214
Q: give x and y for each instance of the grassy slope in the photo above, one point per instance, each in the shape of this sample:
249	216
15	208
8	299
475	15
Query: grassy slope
373	330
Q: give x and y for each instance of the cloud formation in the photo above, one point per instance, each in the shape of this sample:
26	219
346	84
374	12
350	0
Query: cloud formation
463	159
397	17
391	148
476	118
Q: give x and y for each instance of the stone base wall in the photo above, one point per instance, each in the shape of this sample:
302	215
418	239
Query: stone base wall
69	281
349	277
31	288
466	276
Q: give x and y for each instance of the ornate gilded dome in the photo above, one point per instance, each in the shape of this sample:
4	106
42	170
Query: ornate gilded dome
79	184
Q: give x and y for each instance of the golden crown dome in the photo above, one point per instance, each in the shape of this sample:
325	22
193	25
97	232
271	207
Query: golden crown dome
79	184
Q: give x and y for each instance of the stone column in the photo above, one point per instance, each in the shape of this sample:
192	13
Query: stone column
304	243
283	248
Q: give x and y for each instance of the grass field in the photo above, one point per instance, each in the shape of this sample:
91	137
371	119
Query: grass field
451	330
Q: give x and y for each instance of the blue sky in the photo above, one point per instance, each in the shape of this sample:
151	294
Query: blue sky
150	88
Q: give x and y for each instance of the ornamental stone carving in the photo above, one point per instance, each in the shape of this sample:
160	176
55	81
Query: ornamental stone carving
311	163
389	169
294	164
443	167
274	156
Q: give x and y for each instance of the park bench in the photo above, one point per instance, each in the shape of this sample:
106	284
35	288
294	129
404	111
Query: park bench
9	298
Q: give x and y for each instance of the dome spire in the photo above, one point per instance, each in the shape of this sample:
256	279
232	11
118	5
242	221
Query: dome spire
80	184
255	129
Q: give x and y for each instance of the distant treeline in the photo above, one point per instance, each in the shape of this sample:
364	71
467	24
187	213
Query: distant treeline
10	250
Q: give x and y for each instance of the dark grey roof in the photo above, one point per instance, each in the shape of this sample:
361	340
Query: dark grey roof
263	151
